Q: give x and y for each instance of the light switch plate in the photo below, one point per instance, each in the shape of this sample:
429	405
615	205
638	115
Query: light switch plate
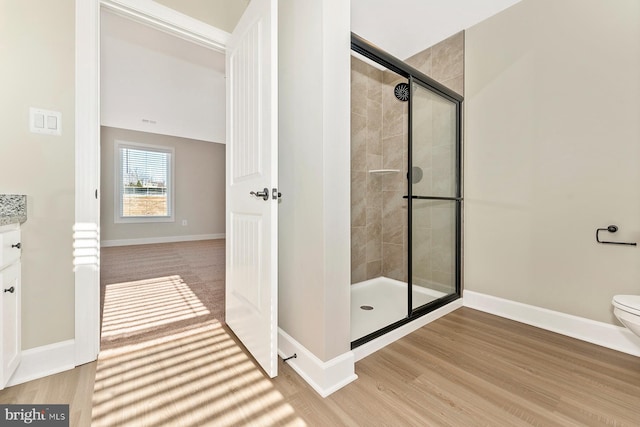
38	121
45	121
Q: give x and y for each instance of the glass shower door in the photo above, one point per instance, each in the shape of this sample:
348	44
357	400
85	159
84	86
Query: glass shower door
435	196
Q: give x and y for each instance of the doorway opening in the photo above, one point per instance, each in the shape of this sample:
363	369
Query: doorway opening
162	179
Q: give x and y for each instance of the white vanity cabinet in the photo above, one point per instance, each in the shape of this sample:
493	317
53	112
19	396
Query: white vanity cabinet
10	291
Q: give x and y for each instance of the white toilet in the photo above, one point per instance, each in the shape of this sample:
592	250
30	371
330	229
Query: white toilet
627	310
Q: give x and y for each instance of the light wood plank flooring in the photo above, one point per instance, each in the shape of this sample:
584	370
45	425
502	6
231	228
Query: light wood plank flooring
466	369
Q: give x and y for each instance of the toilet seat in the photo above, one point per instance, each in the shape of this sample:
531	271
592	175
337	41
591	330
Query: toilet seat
628	303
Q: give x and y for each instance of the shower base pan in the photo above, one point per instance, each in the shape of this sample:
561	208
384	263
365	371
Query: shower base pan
379	302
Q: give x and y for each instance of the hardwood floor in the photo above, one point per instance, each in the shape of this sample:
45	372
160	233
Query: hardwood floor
73	388
466	369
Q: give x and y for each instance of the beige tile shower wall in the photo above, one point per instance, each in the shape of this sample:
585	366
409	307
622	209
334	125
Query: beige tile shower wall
443	62
394	184
366	155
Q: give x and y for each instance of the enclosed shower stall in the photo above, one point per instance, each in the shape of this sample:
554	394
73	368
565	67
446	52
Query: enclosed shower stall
406	193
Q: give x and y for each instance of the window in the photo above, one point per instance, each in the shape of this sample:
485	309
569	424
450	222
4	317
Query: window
144	183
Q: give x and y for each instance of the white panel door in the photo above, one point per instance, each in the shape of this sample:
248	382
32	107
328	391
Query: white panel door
252	154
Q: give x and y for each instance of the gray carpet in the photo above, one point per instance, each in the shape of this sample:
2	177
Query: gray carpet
148	291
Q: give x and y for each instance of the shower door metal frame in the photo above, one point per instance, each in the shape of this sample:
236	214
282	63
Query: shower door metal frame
372	52
457	198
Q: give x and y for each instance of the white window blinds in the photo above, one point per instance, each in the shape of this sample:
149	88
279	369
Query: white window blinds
145	188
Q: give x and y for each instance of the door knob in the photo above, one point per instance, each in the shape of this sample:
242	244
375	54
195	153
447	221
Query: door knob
17	245
264	194
10	290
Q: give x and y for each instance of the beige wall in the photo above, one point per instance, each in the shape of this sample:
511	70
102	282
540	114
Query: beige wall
552	153
199	187
37	57
314	153
222	14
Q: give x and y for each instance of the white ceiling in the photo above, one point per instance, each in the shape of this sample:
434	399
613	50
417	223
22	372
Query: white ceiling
406	27
135	33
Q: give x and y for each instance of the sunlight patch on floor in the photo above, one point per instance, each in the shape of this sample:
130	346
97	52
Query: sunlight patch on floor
168	360
194	376
144	304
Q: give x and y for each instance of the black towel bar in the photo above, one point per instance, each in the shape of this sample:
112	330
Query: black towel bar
611	229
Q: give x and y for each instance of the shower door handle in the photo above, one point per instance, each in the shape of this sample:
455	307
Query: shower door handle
455	199
264	194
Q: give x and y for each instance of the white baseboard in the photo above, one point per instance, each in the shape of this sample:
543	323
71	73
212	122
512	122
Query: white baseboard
323	377
43	361
167	239
600	333
374	345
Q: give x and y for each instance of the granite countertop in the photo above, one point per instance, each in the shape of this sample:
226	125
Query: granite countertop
13	209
